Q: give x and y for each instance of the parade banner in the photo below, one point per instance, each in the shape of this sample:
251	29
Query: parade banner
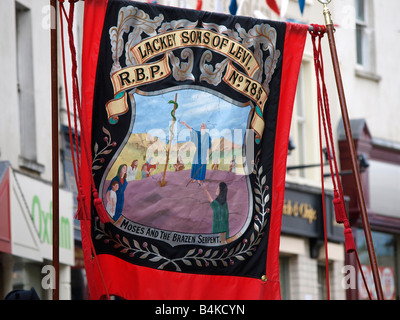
188	117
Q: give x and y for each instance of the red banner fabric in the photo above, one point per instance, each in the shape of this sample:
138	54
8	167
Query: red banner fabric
184	227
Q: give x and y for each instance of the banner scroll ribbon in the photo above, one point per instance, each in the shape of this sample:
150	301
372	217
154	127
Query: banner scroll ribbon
131	77
141	74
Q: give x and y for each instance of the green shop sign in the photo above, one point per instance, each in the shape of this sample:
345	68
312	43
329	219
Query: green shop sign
44	221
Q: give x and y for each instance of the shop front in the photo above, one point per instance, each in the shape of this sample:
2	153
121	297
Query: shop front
302	251
26	260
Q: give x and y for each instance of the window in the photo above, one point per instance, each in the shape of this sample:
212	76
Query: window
28	152
301	120
304	141
360	32
322	281
284	277
364	36
385	247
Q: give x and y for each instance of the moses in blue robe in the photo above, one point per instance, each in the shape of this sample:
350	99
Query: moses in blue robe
202	141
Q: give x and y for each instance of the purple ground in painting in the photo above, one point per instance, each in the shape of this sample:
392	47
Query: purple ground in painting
182	207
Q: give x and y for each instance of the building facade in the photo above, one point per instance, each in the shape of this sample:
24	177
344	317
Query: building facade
26	207
371	75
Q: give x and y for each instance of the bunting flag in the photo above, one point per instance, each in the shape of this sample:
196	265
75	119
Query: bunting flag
233	7
199	4
274	6
301	5
187	117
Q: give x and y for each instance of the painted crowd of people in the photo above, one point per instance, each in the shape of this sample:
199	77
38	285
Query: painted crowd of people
115	191
201	139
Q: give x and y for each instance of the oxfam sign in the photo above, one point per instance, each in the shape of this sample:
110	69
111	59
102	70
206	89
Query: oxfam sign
43	218
39	200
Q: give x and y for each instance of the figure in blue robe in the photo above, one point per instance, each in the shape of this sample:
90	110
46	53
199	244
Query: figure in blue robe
202	141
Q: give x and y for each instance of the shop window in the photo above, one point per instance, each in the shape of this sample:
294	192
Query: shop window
322	283
284	277
385	252
18	277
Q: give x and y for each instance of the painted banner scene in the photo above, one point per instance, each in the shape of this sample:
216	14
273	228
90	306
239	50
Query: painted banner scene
175	165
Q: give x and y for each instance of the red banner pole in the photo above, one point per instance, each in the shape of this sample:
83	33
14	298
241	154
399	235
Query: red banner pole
54	130
353	155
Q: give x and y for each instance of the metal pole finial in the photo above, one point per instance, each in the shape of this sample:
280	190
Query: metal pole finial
326	12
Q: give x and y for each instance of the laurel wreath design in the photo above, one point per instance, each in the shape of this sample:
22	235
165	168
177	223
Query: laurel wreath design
98	160
197	256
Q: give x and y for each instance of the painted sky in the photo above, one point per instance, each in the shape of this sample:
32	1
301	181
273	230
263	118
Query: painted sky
194	107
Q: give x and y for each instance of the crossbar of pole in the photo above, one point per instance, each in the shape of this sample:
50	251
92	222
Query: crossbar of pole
54	134
353	156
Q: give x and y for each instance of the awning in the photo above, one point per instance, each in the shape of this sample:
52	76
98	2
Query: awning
36	196
25	240
5	229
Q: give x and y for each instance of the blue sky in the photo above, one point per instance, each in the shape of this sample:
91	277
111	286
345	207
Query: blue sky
194	107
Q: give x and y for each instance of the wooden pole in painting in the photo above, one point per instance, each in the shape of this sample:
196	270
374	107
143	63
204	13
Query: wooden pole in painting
162	183
353	155
54	130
